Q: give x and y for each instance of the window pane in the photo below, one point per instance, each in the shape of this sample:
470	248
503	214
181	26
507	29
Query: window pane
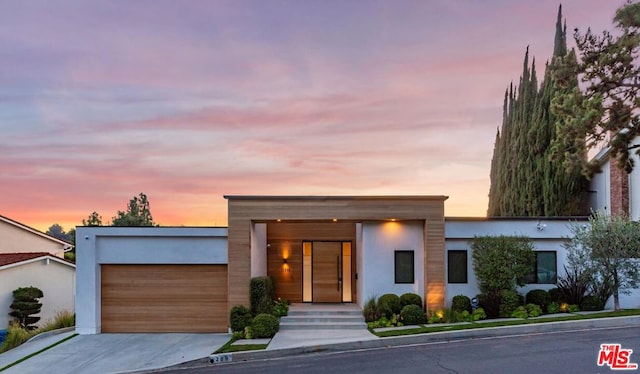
306	272
457	266
546	267
404	267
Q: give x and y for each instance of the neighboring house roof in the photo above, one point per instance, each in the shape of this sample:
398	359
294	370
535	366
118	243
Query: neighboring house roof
14	259
34	231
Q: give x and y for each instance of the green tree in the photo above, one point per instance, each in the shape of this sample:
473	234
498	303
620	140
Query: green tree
57	231
608	248
94	219
608	111
25	304
138	213
525	179
501	262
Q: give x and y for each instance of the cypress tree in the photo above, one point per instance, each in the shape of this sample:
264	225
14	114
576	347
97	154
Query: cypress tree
525	179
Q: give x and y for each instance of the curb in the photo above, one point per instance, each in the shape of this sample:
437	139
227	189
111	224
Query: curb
443	337
50	333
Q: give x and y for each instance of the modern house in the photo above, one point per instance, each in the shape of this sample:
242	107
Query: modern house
318	249
51	274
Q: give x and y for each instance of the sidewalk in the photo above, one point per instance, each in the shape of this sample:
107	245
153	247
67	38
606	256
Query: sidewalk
314	345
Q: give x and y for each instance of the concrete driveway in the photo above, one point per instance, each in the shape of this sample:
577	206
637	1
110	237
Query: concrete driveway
112	353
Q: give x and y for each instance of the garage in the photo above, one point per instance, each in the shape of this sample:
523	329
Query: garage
164	298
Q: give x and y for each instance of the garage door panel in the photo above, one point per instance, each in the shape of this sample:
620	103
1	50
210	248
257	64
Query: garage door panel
164	298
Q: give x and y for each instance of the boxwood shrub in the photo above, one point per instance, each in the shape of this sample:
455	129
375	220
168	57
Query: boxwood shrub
410	299
240	317
538	297
461	303
412	315
264	326
262	295
389	304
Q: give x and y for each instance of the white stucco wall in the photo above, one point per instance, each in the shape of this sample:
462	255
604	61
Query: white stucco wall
55	279
137	245
379	241
459	233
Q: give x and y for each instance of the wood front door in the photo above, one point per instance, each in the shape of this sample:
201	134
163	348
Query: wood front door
327	263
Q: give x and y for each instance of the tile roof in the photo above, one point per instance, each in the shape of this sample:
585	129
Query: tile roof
12	258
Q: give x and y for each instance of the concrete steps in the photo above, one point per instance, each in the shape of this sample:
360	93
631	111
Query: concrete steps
323	317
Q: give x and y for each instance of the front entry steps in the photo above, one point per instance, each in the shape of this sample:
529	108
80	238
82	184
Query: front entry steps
323	317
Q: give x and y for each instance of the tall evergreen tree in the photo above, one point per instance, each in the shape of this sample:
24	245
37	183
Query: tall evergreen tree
525	179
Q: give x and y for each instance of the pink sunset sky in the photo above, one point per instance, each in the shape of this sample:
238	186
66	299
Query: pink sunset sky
189	100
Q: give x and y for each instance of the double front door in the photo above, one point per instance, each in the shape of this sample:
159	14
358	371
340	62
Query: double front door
327	272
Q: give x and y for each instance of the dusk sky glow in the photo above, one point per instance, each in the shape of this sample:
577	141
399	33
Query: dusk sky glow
190	101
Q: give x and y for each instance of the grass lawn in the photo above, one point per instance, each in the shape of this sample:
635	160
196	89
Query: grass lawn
229	348
422	329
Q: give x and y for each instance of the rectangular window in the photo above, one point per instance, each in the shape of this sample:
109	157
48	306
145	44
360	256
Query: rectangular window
457	266
404	267
545	268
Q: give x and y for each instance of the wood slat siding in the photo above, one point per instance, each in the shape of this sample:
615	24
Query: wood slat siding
325	272
288	237
164	298
242	210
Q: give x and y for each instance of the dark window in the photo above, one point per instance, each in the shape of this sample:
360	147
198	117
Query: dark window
404	267
545	269
457	266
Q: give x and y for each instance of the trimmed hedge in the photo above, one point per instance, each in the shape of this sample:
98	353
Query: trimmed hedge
262	295
410	299
538	297
461	303
509	302
240	317
412	315
591	303
389	304
264	326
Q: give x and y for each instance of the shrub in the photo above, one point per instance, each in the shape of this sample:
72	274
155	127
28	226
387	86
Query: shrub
573	286
478	314
412	315
410	299
534	310
573	308
25	305
370	311
555	296
16	335
281	308
461	303
264	326
240	317
490	302
553	308
262	295
389	304
509	301
464	316
538	297
519	312
591	303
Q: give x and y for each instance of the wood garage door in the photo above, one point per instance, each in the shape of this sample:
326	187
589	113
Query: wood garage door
164	298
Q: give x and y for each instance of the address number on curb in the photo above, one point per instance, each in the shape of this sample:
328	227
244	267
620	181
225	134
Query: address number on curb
218	359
